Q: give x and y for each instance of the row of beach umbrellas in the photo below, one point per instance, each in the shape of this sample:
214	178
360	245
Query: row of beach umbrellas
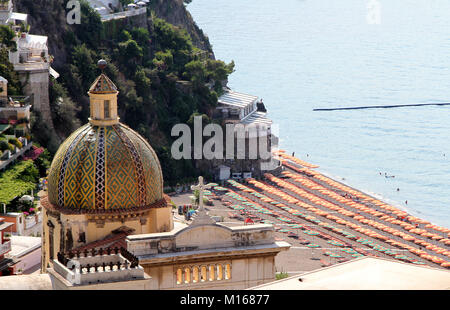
385	217
381	204
300	170
356	227
290	223
364	220
308	232
296	160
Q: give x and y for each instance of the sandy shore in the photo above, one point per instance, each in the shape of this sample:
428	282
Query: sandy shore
320	240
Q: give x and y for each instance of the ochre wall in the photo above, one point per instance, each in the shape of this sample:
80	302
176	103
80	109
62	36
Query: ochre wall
245	272
158	220
97	105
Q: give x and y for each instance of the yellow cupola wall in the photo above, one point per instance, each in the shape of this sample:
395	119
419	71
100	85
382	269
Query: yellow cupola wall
103	102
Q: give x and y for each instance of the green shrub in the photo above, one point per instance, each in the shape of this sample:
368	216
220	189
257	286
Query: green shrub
281	275
16	142
17	181
7	71
4	145
7	37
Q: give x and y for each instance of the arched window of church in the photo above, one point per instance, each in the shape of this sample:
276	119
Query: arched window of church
195	273
187	275
219	272
179	276
203	274
227	271
106	109
212	274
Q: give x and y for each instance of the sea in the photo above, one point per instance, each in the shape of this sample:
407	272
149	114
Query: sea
300	55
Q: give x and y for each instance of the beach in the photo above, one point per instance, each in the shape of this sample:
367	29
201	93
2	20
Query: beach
328	222
301	55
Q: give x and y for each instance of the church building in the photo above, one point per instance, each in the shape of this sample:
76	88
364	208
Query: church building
108	224
104	178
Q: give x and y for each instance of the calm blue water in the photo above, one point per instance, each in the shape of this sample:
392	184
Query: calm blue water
303	54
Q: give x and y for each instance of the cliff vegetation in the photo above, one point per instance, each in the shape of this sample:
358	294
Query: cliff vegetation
162	65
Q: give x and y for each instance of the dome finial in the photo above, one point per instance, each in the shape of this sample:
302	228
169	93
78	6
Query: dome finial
102	64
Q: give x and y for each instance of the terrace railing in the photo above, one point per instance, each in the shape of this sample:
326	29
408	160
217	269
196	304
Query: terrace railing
21	100
31	66
123	14
5	247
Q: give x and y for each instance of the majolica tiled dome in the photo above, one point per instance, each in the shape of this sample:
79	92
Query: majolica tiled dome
105	167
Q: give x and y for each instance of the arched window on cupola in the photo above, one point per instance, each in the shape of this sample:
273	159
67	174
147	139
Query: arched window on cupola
106	108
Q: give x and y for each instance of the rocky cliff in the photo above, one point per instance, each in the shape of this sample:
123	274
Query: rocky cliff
162	76
174	12
48	17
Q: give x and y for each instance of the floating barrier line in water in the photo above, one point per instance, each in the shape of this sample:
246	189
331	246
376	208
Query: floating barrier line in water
382	106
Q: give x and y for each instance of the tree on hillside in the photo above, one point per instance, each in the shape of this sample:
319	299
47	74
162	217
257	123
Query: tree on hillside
7	71
7	36
91	27
63	109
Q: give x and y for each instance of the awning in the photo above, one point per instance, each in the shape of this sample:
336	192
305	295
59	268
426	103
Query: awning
236	99
257	118
5	225
19	16
53	73
4	127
